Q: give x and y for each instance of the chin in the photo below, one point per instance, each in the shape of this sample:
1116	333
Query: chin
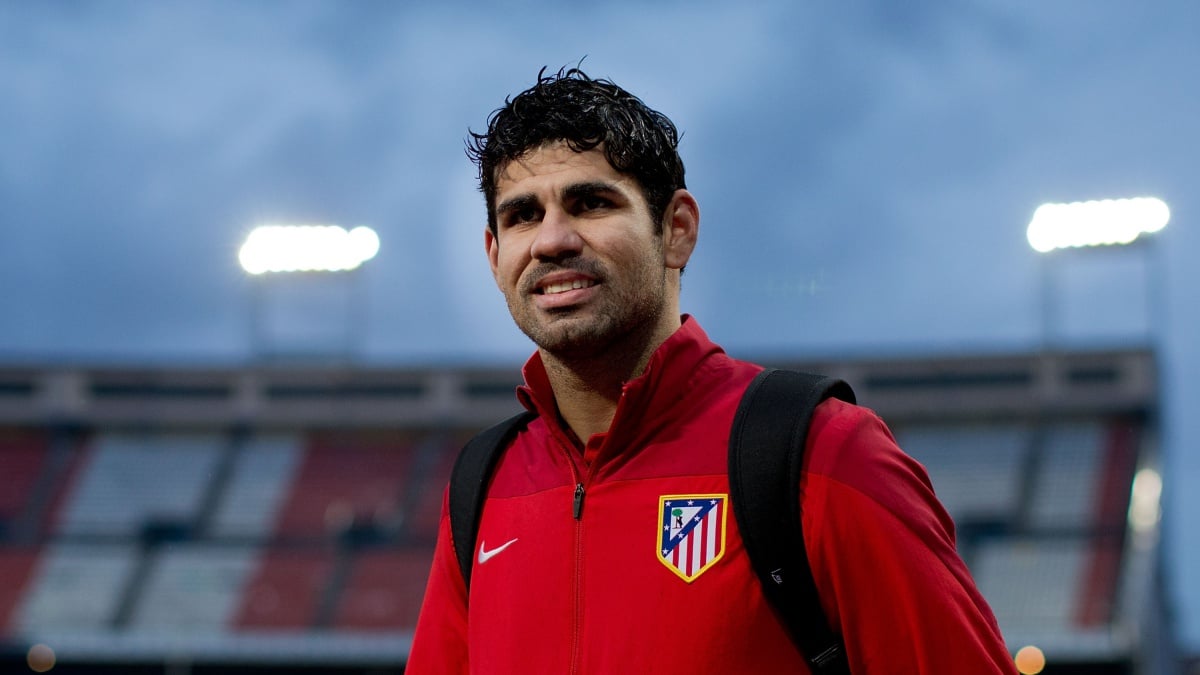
580	335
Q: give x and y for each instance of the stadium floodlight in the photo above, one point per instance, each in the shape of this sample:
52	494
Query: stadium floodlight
1105	222
307	248
1145	498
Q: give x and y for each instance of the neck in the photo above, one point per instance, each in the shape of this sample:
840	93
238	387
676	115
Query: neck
588	388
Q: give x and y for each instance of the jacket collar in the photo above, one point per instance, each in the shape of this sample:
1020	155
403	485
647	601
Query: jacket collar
676	362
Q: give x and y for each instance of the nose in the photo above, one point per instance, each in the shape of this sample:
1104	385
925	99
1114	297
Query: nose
557	237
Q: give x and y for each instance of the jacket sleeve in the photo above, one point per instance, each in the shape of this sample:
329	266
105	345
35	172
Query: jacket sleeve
883	554
439	644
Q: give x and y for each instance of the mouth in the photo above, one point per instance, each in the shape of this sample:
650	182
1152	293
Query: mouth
564	286
564	290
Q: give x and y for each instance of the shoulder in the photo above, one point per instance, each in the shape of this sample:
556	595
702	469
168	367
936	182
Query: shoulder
845	439
853	452
883	552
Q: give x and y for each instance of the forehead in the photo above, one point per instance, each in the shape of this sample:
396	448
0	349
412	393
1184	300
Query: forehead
554	166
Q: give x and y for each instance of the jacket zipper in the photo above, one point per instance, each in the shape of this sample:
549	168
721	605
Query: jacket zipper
577	474
576	632
577	508
577	591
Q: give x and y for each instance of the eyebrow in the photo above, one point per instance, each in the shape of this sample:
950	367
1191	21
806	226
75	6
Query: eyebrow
577	190
515	204
573	191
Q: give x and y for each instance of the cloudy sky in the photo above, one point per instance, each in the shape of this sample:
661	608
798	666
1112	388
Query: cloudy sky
865	173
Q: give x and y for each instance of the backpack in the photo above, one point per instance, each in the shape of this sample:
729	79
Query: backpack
766	451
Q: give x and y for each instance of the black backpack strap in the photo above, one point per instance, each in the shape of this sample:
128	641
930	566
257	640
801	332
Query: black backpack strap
468	485
766	451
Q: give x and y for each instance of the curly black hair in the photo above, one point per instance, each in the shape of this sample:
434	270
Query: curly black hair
585	113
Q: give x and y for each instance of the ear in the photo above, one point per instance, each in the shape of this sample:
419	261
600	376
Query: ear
492	245
681	226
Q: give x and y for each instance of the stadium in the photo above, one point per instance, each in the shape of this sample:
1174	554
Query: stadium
282	519
247	323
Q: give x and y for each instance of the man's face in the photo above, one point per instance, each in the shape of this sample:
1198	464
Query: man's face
576	252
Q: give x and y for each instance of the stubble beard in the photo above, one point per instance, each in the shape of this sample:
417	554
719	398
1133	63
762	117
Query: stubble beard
621	320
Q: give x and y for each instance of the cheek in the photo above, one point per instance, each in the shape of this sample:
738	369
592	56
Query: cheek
641	257
508	267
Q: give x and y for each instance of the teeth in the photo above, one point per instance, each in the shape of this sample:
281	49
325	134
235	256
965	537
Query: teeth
567	286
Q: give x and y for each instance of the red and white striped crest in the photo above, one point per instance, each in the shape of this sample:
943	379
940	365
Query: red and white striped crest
691	532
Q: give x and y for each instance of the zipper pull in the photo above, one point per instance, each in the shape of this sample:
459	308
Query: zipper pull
578	509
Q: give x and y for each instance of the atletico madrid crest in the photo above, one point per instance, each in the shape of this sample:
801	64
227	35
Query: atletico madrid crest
691	533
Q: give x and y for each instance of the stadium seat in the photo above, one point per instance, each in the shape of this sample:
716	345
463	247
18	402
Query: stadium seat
128	480
346	478
975	468
260	482
286	590
384	590
76	587
193	588
22	461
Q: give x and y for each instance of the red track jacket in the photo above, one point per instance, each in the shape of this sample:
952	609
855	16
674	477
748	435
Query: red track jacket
622	556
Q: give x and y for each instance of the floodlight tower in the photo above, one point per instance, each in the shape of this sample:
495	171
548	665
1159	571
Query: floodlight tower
1101	223
312	258
1115	223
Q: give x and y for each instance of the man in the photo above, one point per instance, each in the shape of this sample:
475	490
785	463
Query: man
579	566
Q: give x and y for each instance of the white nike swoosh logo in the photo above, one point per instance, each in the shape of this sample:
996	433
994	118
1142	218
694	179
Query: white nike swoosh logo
486	555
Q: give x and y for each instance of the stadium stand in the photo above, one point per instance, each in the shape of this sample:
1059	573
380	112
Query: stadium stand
976	469
250	519
425	505
383	590
1065	481
287	590
189	588
1034	585
77	587
347	481
16	569
133	481
23	454
263	471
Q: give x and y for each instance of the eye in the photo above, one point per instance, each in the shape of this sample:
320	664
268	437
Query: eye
521	216
525	215
593	202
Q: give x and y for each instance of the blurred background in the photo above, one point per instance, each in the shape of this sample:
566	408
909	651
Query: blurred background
207	470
